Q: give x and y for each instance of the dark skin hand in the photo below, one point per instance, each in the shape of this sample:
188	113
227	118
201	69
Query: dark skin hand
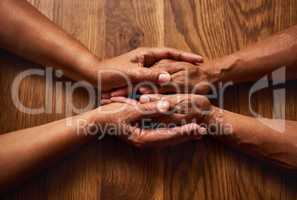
54	47
255	136
185	78
133	67
260	137
127	115
250	64
25	151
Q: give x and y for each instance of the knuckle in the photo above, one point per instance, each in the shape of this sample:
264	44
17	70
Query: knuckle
142	50
202	101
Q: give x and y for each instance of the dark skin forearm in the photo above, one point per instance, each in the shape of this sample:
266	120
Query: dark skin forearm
273	140
261	58
24	152
250	64
249	134
29	34
259	139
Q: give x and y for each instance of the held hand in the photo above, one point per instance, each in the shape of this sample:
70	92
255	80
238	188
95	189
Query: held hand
187	77
134	67
124	115
184	107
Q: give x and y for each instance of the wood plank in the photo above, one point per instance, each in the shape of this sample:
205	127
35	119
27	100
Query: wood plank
129	173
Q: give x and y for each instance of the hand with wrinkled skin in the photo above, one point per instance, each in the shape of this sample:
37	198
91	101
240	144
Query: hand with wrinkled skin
25	151
185	77
271	139
249	64
135	66
54	47
127	114
185	107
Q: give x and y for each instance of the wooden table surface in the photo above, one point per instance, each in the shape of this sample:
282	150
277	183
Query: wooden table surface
109	169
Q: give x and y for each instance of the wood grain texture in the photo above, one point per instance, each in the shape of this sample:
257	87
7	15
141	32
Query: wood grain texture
110	169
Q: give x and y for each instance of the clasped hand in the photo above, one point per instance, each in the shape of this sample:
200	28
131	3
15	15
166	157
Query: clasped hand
178	117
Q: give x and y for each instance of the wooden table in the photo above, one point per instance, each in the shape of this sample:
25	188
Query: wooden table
109	169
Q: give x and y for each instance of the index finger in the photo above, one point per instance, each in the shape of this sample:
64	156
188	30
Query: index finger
152	55
175	54
165	136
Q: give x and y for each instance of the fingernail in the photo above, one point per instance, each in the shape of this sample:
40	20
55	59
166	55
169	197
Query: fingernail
104	102
144	90
145	99
164	77
163	106
200	58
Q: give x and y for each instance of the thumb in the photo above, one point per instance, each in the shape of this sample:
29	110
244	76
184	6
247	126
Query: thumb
156	75
149	109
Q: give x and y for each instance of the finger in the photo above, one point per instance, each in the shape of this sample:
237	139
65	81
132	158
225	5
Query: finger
171	66
149	74
150	98
157	54
105	95
175	119
120	92
179	103
155	107
105	102
165	89
124	100
146	90
172	99
148	109
165	136
188	104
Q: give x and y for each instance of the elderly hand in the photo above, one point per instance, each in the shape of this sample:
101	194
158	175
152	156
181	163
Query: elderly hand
185	108
185	77
124	118
134	67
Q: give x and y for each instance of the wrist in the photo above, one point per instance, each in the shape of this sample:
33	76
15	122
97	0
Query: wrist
214	115
83	125
224	67
85	68
216	124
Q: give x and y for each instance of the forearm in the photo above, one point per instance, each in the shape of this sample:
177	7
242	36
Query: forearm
24	152
258	138
27	33
279	50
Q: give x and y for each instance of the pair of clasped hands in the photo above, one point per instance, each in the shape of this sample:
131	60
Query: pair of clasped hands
168	81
